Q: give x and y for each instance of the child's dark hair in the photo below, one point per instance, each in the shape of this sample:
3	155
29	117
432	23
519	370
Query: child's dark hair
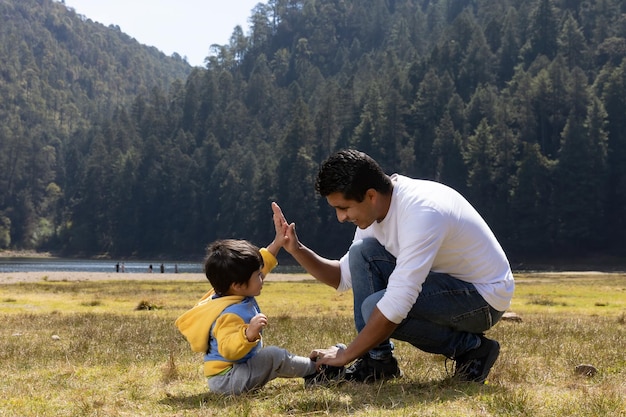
231	261
351	173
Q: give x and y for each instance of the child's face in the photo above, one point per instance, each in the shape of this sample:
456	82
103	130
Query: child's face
254	285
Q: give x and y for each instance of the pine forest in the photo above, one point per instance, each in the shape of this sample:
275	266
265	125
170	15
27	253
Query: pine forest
109	147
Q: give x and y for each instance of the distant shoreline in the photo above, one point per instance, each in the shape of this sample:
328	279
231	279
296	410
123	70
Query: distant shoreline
8	278
63	276
608	264
24	254
44	255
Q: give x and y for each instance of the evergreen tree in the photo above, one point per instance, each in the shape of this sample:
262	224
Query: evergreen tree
480	158
543	32
581	181
572	43
396	138
483	105
550	103
520	109
532	205
613	93
505	174
427	110
327	122
476	66
297	166
507	55
370	132
448	156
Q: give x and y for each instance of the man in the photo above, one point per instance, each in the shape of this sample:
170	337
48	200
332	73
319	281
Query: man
424	267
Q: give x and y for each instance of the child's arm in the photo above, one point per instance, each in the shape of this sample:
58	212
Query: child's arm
233	336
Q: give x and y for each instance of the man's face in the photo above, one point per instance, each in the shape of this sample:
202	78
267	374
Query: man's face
362	214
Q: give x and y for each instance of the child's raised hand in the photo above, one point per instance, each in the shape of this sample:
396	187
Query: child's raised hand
280	225
257	323
285	233
282	229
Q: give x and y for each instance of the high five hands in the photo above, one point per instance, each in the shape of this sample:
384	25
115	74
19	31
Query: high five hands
290	242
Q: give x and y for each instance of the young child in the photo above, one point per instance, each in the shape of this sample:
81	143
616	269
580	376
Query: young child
226	324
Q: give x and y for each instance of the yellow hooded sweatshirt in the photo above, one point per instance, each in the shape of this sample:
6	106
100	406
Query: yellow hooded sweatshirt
195	324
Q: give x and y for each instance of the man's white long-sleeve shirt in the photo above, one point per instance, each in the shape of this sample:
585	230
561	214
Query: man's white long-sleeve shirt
431	227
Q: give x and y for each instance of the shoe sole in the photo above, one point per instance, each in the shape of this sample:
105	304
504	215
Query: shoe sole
372	379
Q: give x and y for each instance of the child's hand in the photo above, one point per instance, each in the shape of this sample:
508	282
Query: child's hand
257	323
280	225
285	233
282	229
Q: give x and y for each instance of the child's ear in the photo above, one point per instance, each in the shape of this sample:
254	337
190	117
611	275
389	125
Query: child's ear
235	288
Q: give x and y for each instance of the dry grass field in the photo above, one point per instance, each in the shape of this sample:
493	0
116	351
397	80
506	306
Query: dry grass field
106	345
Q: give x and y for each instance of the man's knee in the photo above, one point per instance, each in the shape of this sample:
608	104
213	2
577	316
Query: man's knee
369	304
363	247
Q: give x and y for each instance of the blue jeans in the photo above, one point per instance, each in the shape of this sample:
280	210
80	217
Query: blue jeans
447	318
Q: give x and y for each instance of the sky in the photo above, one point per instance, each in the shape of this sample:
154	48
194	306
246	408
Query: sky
187	27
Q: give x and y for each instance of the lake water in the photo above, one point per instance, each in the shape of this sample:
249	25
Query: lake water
89	265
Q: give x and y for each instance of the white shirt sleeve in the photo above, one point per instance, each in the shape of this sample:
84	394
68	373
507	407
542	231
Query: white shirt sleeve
346	278
419	240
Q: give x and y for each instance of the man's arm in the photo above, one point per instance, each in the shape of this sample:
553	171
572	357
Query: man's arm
322	269
377	329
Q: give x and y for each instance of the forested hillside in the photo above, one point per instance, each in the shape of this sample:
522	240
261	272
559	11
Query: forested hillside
58	73
521	105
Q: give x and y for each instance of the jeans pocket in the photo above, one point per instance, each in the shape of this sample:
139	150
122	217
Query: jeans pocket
474	321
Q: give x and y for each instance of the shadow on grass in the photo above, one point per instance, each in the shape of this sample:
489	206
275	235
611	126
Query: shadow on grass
345	398
190	401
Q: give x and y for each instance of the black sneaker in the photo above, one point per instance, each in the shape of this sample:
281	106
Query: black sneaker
366	369
327	374
474	365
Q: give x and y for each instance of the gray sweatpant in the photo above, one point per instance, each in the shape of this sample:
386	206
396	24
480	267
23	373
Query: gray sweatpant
270	363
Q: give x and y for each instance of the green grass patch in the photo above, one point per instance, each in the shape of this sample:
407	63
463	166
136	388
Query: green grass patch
574	293
85	349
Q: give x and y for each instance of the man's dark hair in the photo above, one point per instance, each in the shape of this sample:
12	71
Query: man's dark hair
231	261
351	173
